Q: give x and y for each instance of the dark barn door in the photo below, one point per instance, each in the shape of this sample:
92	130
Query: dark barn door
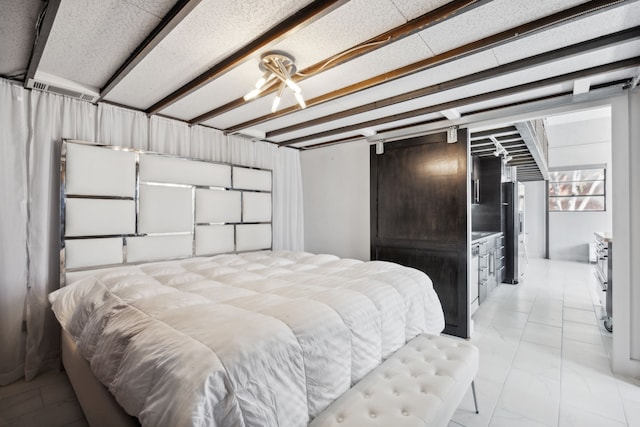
419	215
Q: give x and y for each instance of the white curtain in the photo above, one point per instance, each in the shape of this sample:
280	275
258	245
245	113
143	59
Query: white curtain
169	136
122	127
53	118
209	144
32	126
14	132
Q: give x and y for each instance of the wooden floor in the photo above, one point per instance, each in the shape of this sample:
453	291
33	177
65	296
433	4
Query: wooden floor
544	361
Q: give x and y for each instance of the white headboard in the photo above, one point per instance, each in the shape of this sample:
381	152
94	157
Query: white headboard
122	206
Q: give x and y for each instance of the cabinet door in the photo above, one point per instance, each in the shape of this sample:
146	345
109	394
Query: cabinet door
482	290
500	260
475	180
409	228
483	271
495	272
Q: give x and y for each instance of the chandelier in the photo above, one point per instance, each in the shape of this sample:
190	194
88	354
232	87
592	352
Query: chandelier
277	68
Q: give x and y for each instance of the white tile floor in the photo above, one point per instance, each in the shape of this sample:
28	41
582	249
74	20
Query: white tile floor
544	356
47	401
543	362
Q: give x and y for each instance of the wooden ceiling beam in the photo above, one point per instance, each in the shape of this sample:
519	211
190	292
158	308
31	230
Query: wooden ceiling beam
429	19
176	15
515	66
42	36
335	142
622	84
509	139
507	130
299	20
594	6
512	90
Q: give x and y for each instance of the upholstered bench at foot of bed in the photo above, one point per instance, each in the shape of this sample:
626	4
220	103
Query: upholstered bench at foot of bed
421	384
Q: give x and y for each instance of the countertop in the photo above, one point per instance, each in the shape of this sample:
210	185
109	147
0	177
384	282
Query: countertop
602	235
476	236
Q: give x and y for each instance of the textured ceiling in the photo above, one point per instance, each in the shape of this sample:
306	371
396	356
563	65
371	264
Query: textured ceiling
494	17
17	26
87	44
384	65
212	31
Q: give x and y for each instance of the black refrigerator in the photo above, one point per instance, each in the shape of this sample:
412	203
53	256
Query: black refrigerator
511	230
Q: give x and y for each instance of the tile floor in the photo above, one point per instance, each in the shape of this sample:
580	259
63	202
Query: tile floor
47	401
544	356
543	362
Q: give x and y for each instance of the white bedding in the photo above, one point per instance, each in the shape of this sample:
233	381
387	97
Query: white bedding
256	339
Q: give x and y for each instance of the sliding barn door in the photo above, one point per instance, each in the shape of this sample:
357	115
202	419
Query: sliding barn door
419	215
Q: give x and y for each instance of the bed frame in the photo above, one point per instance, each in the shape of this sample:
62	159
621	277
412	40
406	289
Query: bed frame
98	405
123	206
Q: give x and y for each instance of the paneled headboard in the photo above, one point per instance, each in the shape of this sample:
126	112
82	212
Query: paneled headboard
123	206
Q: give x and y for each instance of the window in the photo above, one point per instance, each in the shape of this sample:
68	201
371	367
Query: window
577	190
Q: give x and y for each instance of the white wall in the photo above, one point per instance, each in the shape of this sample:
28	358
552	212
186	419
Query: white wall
634	226
626	235
336	189
579	139
570	234
535	218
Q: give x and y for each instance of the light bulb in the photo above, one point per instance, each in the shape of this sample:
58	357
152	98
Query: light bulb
294	87
252	94
276	100
300	99
261	81
276	103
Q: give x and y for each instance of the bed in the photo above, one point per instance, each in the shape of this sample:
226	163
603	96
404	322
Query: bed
176	302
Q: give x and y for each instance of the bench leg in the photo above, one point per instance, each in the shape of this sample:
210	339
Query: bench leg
475	400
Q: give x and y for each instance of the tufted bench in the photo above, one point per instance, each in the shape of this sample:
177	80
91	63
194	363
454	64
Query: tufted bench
421	384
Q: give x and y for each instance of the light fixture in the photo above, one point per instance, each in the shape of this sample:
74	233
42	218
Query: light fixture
451	114
367	132
380	147
278	66
581	86
500	150
452	135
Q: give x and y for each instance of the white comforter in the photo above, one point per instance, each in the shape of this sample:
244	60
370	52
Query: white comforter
258	339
